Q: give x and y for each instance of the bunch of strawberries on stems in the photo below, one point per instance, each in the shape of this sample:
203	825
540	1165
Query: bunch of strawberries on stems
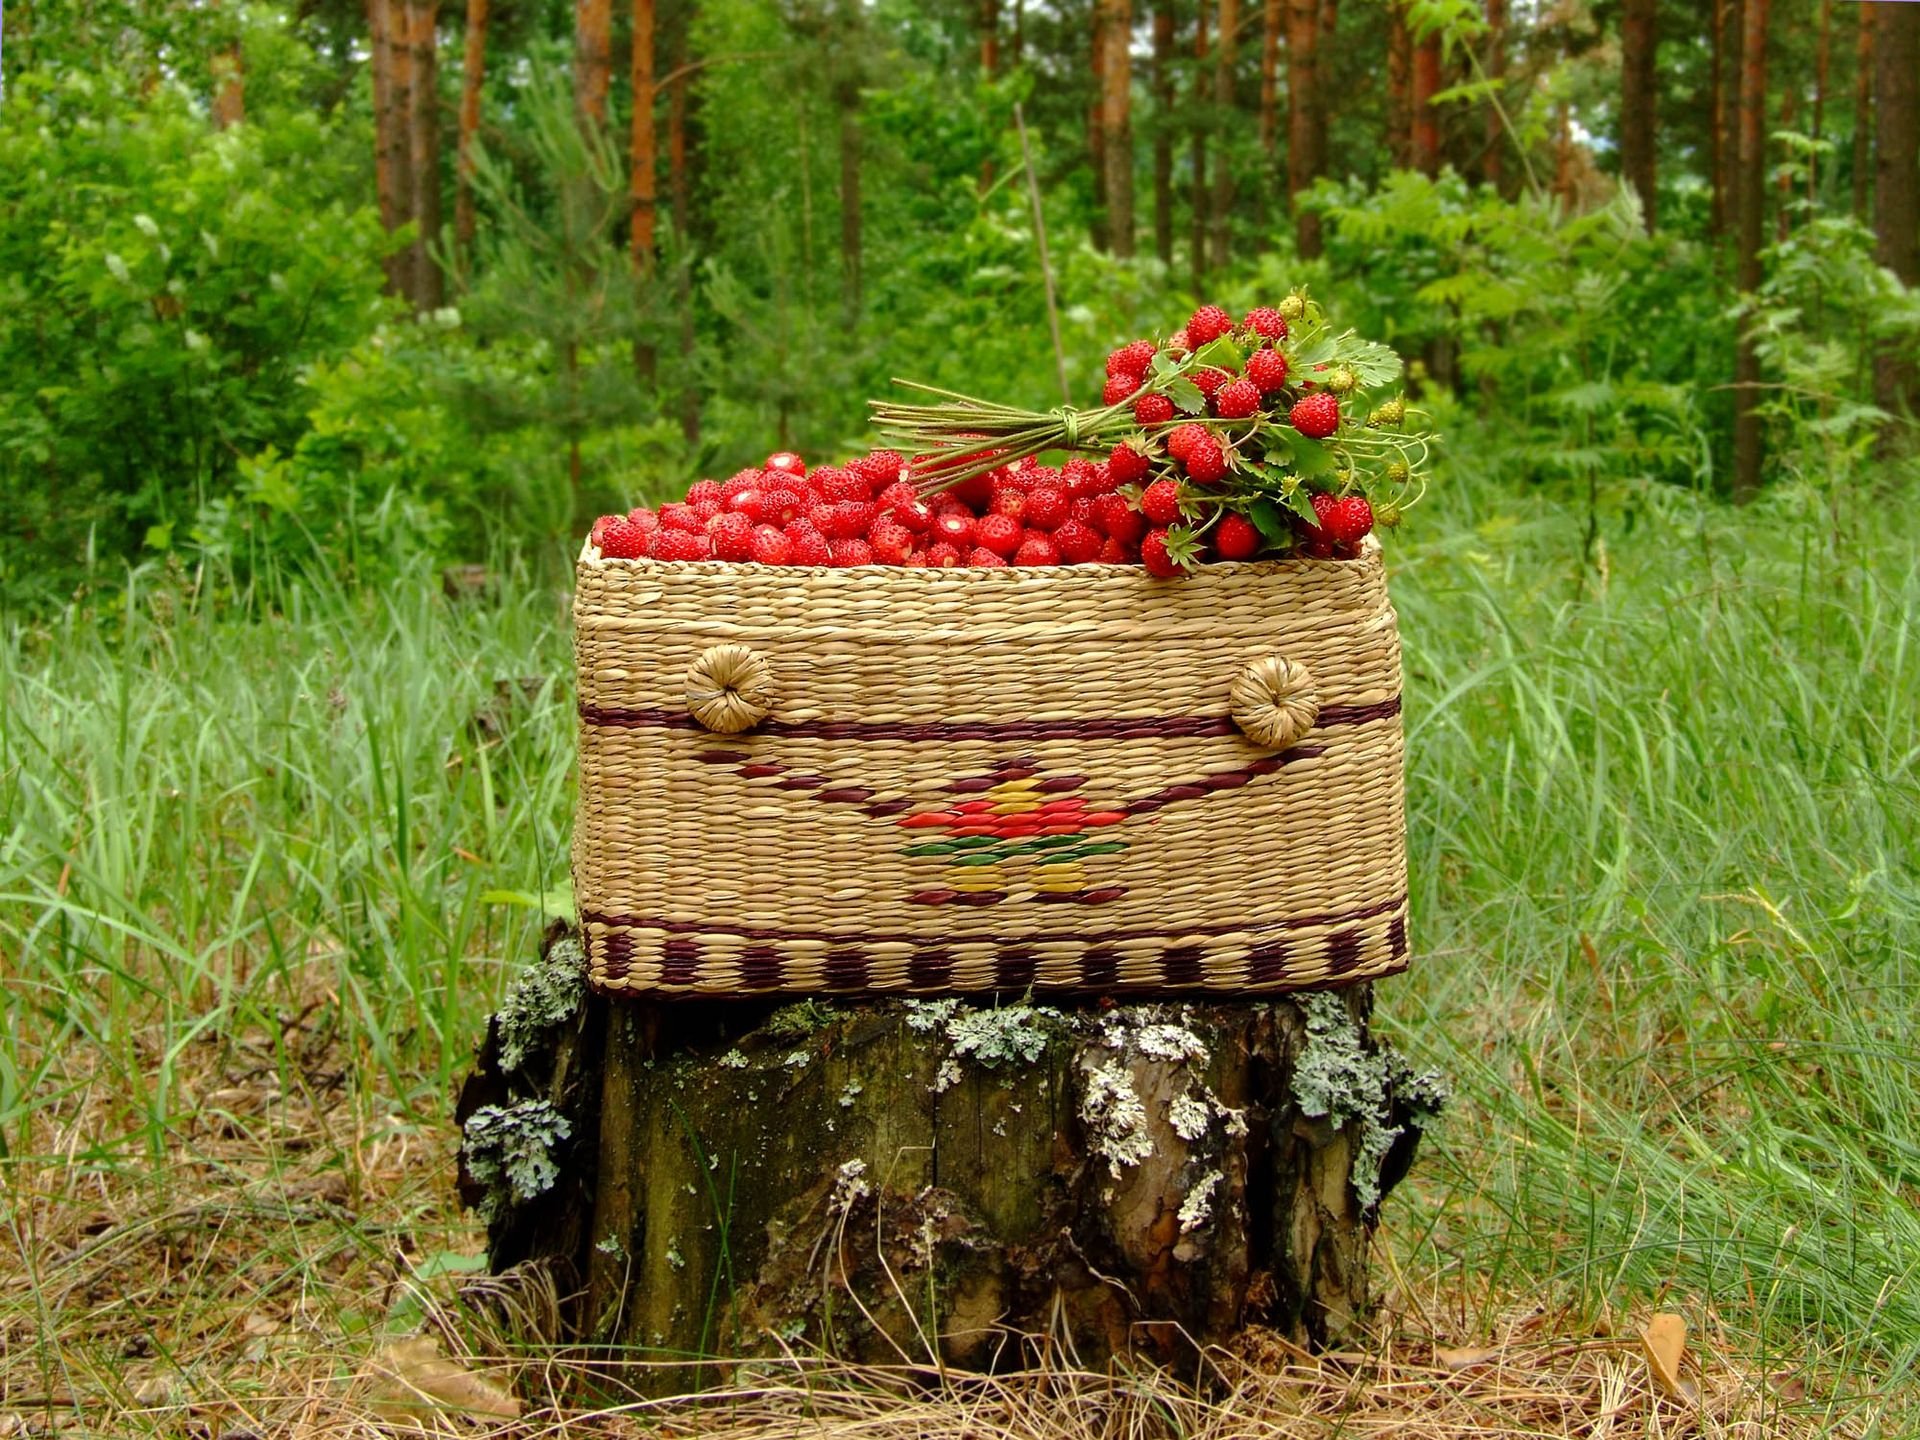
1273	437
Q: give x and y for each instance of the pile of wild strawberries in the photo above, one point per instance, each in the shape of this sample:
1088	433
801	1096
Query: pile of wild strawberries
1220	450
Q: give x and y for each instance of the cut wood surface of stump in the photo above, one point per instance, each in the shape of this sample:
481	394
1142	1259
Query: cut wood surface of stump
883	1179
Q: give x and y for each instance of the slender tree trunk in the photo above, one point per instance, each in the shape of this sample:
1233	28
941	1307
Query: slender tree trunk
1493	164
643	166
1163	131
473	74
680	186
230	87
1199	120
1729	15
592	58
1304	160
1273	19
1096	124
1752	204
1822	57
1425	147
1399	87
1223	100
392	70
1863	113
1782	210
1639	95
1323	78
423	146
1896	205
850	217
1116	124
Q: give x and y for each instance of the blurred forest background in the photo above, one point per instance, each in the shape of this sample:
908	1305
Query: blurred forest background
358	280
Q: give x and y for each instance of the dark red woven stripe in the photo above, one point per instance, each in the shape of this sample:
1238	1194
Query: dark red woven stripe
844	937
1145	727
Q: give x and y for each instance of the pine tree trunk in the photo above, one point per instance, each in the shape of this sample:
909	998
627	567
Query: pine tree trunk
1273	21
643	159
1305	162
1727	58
592	58
1896	203
1822	64
1399	87
390	67
1863	114
1639	93
1752	197
423	146
1096	122
1197	103
230	87
949	1183
680	187
1225	106
1425	122
473	74
1116	124
1163	131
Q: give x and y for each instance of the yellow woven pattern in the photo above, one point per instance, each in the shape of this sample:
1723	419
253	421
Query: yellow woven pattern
1074	778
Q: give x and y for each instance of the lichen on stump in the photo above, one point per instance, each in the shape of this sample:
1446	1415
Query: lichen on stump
881	1178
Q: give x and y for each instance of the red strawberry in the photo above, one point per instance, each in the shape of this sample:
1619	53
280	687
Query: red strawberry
732	536
1182	439
1206	462
1160	502
622	539
1077	542
1268	370
1126	465
680	545
1319	539
892	542
955	528
845	519
1010	503
703	490
1130	359
1037	549
1236	538
771	546
1209	380
901	501
1118	552
1348	520
880	469
1118	389
1209	322
1120	521
1080	476
837	484
1153	554
1317	416
1153	410
942	556
809	545
980	555
1176	343
599	531
1046	507
741	480
704	509
1267	322
999	533
851	550
748	501
641	516
678	516
779	505
786	462
1237	400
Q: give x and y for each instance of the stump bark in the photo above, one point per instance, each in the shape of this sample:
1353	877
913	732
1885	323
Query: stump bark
888	1179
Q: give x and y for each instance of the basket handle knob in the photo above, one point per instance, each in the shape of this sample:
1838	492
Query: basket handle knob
1274	701
729	688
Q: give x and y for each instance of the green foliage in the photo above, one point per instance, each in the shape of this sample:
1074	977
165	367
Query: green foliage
162	288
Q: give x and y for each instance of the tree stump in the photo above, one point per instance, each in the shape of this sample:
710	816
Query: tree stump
887	1179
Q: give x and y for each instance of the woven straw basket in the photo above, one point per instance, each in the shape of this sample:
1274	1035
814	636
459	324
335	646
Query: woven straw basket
882	779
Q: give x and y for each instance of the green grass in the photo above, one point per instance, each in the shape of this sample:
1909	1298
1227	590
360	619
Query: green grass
1664	816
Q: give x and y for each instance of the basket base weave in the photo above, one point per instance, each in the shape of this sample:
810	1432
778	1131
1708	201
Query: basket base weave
641	953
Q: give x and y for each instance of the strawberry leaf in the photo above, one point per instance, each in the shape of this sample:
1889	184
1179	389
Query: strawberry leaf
1301	503
1373	362
1271	521
1222	354
1164	364
1186	396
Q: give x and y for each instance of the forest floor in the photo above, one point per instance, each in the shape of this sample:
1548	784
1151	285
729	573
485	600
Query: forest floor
263	872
